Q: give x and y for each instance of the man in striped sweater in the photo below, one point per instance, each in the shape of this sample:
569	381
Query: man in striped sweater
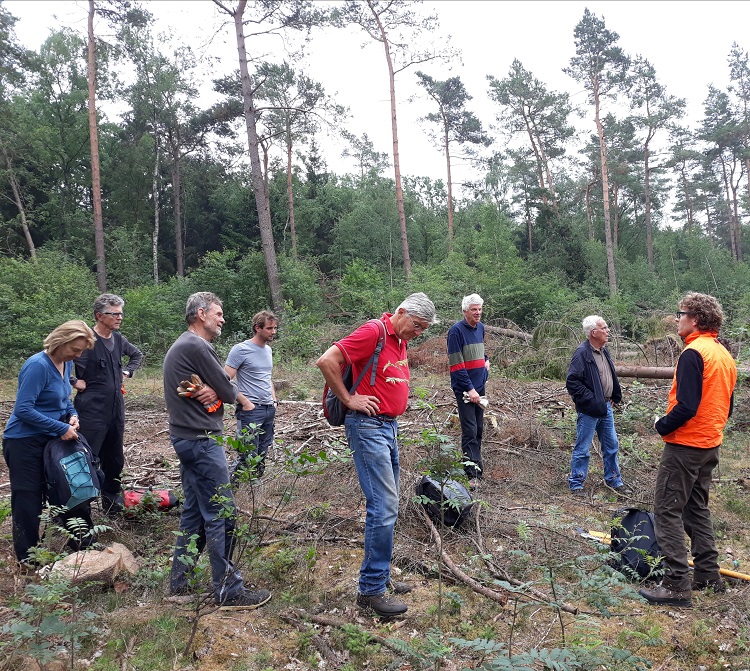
469	369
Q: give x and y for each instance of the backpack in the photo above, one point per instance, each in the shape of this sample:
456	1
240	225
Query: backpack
447	502
333	409
71	472
633	541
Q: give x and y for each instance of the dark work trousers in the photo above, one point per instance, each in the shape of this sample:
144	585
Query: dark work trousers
106	442
681	507
471	416
25	459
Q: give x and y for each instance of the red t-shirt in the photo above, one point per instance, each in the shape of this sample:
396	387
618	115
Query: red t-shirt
392	377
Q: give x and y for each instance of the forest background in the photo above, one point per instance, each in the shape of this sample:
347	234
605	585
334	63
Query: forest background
613	199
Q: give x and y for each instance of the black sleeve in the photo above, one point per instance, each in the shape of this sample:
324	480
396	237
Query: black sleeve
135	356
689	392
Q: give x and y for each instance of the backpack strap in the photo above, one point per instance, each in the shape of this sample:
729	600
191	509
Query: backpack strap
373	362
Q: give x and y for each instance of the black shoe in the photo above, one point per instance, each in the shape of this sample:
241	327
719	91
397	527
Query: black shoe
578	492
382	605
399	587
718	586
664	596
247	599
623	490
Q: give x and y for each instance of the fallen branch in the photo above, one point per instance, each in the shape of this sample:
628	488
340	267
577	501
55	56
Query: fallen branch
326	651
501	598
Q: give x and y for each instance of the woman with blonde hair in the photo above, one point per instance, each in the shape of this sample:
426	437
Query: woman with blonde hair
42	411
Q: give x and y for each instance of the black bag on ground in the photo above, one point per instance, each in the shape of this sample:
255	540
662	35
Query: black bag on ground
634	540
449	501
70	469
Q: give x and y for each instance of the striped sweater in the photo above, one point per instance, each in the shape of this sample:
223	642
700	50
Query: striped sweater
466	357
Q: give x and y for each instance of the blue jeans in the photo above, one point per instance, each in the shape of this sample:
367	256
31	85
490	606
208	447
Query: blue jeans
204	474
262	416
374	445
579	463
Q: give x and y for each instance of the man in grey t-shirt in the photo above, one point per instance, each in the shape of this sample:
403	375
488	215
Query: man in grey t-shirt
251	363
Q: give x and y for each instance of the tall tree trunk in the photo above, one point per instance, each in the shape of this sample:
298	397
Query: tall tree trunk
19	204
605	198
155	234
450	192
589	213
730	214
394	130
688	199
256	173
736	221
96	186
290	193
177	188
616	210
647	189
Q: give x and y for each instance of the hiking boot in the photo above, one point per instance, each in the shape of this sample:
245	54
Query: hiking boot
578	492
665	596
399	587
623	490
383	605
247	599
717	585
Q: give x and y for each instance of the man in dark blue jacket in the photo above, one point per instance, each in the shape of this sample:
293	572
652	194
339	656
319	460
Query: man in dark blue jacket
594	386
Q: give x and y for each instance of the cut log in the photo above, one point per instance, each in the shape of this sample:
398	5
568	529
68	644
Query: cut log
650	372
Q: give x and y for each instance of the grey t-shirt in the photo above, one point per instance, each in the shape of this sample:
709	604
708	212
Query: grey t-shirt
253	364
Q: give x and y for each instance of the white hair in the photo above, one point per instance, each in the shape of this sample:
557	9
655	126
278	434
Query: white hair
418	305
589	324
471	299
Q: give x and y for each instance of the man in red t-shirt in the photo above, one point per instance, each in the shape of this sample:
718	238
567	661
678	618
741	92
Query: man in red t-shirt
372	429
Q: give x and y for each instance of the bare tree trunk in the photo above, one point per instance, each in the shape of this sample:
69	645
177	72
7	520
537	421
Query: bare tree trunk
688	199
647	189
19	204
396	160
155	235
256	173
589	213
450	192
616	208
96	187
605	199
737	227
176	188
290	194
730	214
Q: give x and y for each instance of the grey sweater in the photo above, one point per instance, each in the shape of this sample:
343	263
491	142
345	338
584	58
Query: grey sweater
188	418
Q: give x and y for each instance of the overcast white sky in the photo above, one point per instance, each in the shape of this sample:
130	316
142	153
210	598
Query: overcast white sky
687	42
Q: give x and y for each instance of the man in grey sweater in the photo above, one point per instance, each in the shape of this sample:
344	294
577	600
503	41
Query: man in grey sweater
193	424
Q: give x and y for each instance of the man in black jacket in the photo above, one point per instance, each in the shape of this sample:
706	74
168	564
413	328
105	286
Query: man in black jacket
99	377
594	386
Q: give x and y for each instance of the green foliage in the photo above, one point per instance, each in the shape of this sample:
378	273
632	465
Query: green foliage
48	623
37	297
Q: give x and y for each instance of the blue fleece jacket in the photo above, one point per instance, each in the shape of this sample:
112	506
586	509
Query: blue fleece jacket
42	401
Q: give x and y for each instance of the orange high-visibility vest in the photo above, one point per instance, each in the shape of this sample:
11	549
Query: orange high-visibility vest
706	429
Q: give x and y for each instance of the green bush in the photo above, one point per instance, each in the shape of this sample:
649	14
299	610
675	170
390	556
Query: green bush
37	297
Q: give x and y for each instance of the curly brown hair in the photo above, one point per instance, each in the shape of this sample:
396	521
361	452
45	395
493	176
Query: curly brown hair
706	310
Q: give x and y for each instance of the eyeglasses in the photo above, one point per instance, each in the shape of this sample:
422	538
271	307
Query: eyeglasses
113	314
679	313
418	327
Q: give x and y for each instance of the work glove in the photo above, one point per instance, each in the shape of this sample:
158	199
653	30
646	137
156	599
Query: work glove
188	389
